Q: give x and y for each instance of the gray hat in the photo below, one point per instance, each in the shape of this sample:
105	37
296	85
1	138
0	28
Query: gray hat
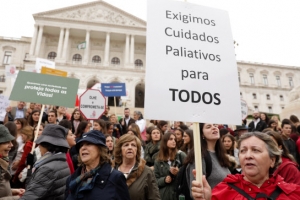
5	136
54	134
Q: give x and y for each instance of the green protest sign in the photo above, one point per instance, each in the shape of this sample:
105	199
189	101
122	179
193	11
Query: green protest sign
45	89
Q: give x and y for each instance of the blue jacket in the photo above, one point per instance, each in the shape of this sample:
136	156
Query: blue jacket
107	184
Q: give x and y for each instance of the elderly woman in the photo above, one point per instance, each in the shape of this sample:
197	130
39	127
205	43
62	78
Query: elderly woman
95	178
140	178
259	156
6	193
139	120
50	172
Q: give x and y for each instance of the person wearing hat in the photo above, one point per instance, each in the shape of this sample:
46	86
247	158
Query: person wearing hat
6	193
240	130
50	172
95	178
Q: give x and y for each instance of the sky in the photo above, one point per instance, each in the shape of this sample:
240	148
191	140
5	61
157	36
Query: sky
266	31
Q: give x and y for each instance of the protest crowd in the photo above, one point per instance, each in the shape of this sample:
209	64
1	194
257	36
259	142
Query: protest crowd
130	158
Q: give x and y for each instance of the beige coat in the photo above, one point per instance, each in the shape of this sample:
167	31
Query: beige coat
5	190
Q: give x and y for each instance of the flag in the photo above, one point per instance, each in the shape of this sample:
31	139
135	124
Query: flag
81	45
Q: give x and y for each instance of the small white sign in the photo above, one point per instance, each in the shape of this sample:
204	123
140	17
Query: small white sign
244	109
92	104
10	71
43	63
4	103
191	72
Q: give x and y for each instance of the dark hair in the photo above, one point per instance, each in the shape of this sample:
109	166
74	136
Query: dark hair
184	127
271	121
53	148
80	129
30	120
161	135
22	121
267	117
126	109
53	111
34	128
102	124
161	124
223	131
294	119
187	147
72	116
65	123
219	149
108	151
231	150
286	122
136	129
163	154
153	122
285	152
12	128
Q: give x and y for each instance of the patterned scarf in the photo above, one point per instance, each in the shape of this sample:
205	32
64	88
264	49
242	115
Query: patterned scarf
6	159
83	182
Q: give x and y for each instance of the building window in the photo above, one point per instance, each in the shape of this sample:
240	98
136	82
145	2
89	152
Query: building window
278	81
2	78
282	107
96	59
291	83
7	57
251	78
265	79
254	96
268	97
77	58
241	95
239	76
256	108
281	98
115	61
138	63
270	109
52	55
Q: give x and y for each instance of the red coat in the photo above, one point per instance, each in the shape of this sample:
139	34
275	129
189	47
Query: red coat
224	192
289	171
22	164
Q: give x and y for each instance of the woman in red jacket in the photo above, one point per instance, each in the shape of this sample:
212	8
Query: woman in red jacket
259	156
27	136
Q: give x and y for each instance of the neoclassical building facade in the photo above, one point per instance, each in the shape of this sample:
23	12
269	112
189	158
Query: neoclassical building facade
115	51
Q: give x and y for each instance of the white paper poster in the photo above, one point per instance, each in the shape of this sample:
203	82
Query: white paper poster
4	103
191	72
43	63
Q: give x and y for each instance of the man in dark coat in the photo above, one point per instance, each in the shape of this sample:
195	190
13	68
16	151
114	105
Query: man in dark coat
257	124
126	121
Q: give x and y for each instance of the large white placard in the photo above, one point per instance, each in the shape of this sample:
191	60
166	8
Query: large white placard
191	72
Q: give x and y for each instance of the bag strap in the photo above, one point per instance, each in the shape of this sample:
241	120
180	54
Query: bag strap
242	192
273	196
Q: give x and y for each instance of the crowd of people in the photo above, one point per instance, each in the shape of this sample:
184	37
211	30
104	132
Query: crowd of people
75	158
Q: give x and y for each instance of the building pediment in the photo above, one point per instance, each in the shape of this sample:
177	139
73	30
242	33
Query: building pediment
95	12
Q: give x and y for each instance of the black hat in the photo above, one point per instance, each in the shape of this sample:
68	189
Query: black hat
54	134
94	137
5	136
242	127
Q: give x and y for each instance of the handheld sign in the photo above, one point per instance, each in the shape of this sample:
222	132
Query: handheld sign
45	89
191	66
244	109
92	104
113	89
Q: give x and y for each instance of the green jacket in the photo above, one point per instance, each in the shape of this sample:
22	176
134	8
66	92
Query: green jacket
150	153
161	171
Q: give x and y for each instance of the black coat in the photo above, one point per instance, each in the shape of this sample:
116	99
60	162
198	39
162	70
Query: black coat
125	127
109	184
48	180
261	125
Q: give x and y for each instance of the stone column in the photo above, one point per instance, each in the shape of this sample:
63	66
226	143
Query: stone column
39	41
106	51
127	50
66	41
33	40
131	59
60	42
87	47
